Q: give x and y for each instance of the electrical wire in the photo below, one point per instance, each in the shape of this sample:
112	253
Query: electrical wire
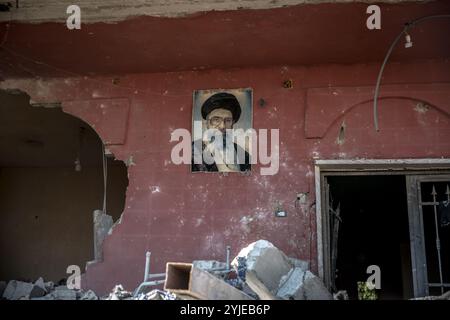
407	26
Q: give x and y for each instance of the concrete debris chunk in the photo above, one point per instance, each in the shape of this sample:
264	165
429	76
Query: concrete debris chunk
17	289
49	286
64	293
302	285
157	295
46	297
265	266
297	263
41	284
341	295
89	295
209	265
37	291
119	293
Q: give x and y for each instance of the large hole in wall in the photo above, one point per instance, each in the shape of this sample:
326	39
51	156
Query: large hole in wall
51	182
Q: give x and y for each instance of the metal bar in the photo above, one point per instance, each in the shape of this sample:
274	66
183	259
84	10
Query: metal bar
147	265
155	275
154	283
228	257
429	203
438	241
439	285
146	284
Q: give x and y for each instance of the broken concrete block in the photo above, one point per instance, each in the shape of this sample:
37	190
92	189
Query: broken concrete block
184	279
64	293
37	292
49	286
302	285
89	295
341	295
265	266
38	289
17	289
157	295
41	284
297	263
209	265
118	293
102	224
49	296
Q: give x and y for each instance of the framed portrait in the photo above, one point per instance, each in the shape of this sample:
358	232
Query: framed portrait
221	120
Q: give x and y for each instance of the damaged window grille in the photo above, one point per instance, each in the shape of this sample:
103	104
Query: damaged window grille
439	216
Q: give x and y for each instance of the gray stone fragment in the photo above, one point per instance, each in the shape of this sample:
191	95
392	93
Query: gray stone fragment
49	286
302	285
102	225
265	266
64	293
17	289
89	295
297	263
118	293
209	265
38	289
49	296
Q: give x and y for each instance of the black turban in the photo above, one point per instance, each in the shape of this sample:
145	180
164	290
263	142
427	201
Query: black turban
222	100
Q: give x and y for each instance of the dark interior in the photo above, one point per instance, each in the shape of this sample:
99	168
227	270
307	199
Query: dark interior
374	231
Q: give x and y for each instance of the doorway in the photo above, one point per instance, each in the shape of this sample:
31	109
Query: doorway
391	214
373	231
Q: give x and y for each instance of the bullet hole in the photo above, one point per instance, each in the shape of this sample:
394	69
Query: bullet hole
36	217
288	84
116	81
262	103
341	137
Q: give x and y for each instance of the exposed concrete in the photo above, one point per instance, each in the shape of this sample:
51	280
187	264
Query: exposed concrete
297	263
64	293
209	264
102	225
116	10
266	265
38	289
17	289
302	285
89	295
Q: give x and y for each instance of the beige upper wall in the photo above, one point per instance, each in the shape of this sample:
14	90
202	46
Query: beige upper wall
117	10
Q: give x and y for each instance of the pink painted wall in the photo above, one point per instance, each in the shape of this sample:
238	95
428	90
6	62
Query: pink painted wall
181	216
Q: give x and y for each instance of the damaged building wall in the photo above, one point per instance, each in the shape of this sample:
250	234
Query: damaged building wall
180	216
117	10
46	202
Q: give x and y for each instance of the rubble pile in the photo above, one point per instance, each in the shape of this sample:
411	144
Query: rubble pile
40	290
259	271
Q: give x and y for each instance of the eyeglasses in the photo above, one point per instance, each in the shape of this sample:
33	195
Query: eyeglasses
216	121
